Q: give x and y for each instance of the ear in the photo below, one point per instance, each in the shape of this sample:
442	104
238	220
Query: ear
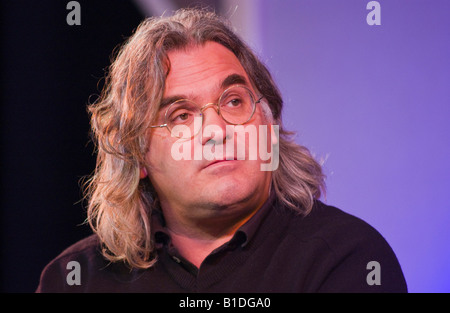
143	172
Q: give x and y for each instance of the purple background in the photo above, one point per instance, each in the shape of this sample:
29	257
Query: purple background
374	102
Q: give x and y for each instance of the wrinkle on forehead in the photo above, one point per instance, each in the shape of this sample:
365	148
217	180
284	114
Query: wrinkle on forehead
199	67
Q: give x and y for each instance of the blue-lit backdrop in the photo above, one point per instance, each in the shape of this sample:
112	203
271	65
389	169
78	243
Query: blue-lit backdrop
374	103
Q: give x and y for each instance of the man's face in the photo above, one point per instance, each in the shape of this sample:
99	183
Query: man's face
192	189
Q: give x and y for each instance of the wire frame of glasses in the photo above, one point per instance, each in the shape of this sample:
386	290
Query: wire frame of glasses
236	106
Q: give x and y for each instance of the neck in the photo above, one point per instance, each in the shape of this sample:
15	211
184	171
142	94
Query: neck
196	250
195	238
196	244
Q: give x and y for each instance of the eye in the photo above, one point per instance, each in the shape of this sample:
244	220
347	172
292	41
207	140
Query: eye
235	102
180	116
182	113
183	116
232	102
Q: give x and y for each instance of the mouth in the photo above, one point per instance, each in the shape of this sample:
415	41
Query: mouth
220	162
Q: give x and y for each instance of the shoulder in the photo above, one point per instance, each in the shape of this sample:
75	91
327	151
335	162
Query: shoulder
84	255
332	224
343	247
86	248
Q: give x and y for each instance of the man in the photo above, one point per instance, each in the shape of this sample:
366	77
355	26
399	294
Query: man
170	219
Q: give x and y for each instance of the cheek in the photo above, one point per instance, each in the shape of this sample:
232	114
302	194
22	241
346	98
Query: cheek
254	138
165	157
156	155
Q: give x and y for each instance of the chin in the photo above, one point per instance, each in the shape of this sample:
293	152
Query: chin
230	193
242	186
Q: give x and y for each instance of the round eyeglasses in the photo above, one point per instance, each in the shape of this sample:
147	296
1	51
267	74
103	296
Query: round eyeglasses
236	106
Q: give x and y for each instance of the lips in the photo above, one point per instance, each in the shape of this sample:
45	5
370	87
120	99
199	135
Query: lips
214	162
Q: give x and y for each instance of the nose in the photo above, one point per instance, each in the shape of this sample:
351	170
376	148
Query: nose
214	126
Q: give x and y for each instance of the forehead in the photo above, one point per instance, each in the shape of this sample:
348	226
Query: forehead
201	69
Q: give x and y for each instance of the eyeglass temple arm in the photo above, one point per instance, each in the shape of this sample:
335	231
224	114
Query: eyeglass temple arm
158	126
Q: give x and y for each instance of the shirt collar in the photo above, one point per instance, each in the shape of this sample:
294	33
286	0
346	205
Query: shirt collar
242	236
252	225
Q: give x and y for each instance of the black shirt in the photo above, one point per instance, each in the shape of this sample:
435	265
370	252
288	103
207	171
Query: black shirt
277	250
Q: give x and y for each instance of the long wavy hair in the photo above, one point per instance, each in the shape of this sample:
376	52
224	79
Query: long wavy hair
120	204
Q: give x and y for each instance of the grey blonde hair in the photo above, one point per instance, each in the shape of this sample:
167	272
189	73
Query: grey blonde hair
120	203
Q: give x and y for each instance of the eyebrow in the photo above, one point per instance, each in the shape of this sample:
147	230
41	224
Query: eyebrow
230	80
233	79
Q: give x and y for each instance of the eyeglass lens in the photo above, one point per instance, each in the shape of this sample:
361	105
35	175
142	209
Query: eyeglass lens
236	106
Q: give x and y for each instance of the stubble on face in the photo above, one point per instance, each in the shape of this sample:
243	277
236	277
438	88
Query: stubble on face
196	191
